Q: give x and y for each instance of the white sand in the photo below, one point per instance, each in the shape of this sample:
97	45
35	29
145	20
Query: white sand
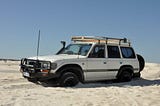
17	91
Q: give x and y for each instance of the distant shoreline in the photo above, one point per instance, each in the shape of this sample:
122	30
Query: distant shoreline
9	59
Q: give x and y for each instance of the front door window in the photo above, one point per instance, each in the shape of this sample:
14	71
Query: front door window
98	52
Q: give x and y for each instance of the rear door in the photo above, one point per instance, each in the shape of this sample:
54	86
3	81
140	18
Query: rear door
114	61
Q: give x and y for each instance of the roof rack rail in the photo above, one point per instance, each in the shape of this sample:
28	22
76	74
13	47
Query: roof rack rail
99	39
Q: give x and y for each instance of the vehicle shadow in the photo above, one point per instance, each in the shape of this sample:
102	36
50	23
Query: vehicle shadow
109	83
135	82
48	84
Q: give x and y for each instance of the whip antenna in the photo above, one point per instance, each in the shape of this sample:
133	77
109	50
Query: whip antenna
38	44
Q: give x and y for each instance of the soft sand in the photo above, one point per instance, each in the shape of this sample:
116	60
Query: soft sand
17	91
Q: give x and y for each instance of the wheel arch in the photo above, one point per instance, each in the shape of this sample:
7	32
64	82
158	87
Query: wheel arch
127	67
74	68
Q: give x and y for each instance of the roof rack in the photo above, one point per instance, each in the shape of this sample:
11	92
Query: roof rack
98	39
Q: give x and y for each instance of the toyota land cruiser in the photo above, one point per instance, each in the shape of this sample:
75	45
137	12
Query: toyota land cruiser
86	59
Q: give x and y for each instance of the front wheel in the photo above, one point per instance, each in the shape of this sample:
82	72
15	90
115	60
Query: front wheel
34	80
68	79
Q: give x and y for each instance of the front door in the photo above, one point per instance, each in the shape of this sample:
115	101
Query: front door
96	64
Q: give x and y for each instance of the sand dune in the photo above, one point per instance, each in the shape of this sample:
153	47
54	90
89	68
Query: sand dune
17	91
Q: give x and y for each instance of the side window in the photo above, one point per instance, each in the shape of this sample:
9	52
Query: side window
127	52
113	52
84	50
98	52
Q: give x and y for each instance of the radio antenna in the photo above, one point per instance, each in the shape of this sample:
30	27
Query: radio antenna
38	44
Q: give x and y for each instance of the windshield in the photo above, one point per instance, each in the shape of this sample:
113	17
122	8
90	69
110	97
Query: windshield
77	49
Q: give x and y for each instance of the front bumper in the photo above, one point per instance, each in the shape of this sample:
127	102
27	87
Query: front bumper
33	69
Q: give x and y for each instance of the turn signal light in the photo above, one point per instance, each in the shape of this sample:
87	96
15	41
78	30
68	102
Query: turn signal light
45	71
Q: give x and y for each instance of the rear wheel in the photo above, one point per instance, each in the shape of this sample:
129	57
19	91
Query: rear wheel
125	75
68	79
138	75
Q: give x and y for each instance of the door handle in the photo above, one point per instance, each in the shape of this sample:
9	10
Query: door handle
104	62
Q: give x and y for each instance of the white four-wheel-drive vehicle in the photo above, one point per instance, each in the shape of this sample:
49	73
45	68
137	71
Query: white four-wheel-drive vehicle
86	59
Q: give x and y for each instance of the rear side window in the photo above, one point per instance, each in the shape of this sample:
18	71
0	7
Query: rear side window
127	52
113	52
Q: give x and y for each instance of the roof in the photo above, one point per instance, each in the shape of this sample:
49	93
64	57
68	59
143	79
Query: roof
99	39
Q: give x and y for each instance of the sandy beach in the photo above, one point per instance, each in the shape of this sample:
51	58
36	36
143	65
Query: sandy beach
17	91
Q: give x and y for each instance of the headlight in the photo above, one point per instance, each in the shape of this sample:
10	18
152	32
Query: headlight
45	65
53	66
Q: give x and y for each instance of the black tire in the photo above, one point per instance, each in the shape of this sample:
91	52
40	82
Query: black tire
34	80
125	75
141	62
68	79
137	75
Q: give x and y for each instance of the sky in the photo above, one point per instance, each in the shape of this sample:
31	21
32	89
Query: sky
20	20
